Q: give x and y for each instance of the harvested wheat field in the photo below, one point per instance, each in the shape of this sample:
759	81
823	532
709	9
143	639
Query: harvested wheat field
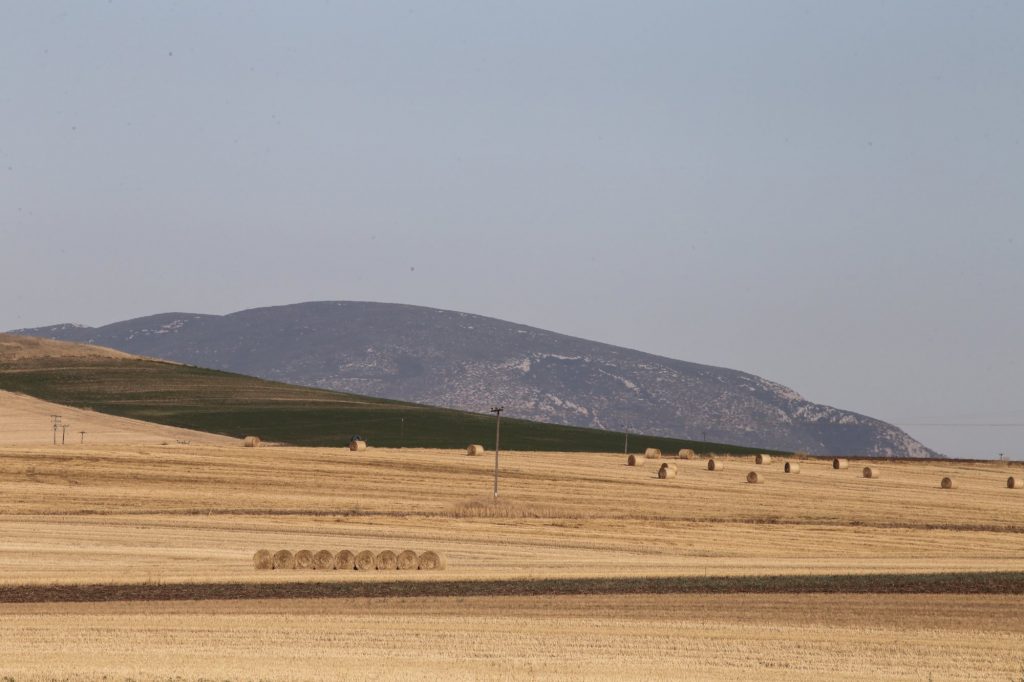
26	421
118	524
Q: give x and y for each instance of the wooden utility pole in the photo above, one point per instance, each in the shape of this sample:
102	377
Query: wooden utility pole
497	445
55	418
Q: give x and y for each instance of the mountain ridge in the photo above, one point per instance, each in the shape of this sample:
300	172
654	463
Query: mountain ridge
470	362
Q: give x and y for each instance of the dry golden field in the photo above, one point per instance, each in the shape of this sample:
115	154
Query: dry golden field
25	421
154	514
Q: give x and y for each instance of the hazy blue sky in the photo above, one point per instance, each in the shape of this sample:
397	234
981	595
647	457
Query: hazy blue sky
830	195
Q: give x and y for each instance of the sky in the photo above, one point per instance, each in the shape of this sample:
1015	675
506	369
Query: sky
828	195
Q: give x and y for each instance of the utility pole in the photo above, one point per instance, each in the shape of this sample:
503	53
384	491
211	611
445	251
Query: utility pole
497	446
625	450
56	425
402	432
83	436
63	432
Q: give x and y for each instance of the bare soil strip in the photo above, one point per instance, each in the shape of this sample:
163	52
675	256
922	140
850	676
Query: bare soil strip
924	583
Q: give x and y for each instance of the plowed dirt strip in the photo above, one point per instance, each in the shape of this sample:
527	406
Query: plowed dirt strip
906	583
708	637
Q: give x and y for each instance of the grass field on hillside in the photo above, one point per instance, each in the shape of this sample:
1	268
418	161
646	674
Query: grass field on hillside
236	405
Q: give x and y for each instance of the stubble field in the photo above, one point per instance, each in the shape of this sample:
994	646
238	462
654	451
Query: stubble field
152	516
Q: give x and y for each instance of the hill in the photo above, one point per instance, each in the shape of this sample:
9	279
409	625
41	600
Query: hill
25	420
468	362
220	402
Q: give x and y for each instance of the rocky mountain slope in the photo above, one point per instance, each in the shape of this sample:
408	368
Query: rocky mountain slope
469	362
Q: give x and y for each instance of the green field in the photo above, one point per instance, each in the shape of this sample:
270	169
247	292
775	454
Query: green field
236	405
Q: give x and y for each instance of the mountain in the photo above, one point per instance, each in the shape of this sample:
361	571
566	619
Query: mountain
469	362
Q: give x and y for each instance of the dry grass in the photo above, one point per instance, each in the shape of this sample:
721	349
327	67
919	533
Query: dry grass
26	422
175	515
506	508
709	637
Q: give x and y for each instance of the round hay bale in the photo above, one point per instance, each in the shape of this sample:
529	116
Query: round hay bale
840	463
666	472
652	453
762	459
386	561
948	483
344	560
715	465
871	472
1015	482
669	465
251	441
475	450
754	477
408	560
687	453
304	559
283	559
263	560
636	460
357	445
323	560
366	560
792	468
432	561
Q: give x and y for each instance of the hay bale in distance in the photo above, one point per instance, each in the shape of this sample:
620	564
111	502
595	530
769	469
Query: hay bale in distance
840	463
687	453
754	477
715	465
366	560
636	460
475	450
263	560
667	471
344	560
283	559
792	468
762	459
251	441
357	445
652	453
871	472
323	560
1015	482
408	560
432	561
386	561
304	559
948	483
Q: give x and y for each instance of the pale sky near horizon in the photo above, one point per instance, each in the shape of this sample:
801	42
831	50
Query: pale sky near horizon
828	195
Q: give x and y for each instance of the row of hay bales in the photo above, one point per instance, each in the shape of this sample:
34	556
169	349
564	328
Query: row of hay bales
655	453
669	470
346	560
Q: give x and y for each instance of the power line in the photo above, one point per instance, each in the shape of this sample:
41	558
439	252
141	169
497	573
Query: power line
1012	424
